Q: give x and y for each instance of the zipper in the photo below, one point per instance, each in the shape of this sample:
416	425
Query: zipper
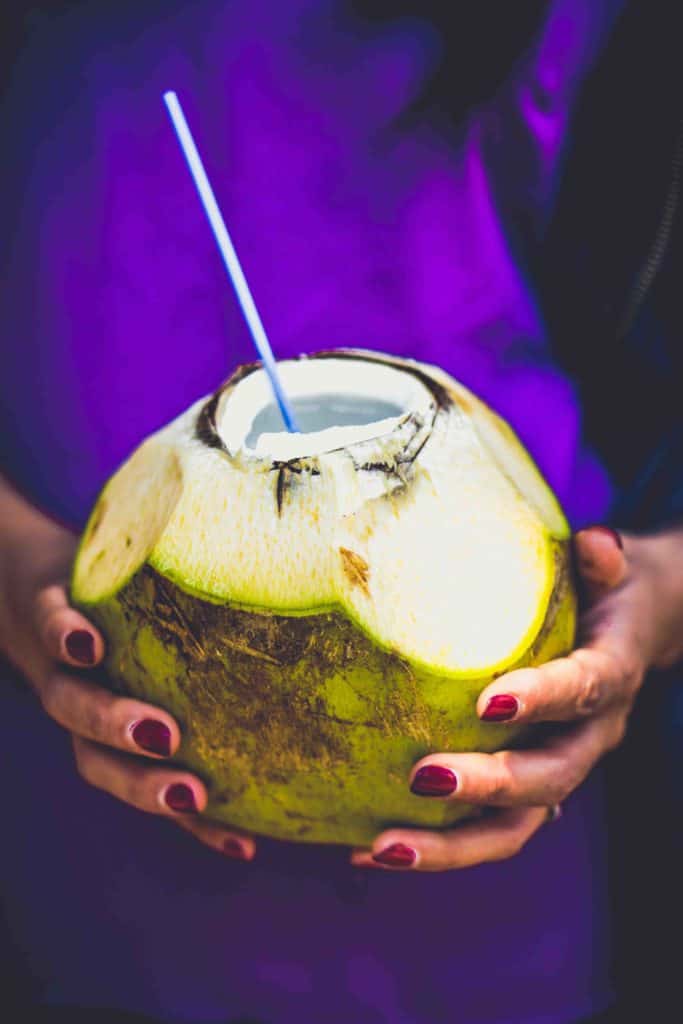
660	244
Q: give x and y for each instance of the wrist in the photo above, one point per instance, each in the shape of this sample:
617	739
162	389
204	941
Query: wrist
34	551
21	521
664	555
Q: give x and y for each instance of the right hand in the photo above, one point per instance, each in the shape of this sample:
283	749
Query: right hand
120	744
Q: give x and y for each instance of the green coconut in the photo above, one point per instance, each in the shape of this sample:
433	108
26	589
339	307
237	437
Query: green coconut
319	610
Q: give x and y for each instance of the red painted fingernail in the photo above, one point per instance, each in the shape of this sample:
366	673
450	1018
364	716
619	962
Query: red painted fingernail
80	645
152	736
180	797
396	856
609	532
434	780
501	708
231	848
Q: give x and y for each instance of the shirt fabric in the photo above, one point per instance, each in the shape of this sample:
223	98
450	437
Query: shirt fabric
351	232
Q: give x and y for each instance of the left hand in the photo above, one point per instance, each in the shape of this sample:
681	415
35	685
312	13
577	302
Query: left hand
121	745
632	622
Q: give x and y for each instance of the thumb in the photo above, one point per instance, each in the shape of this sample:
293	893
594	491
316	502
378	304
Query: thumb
600	559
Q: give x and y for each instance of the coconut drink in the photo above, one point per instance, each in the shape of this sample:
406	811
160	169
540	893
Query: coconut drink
320	609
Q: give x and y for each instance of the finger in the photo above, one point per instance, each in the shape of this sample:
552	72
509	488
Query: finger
585	682
234	845
513	778
157	790
95	714
495	837
66	635
600	558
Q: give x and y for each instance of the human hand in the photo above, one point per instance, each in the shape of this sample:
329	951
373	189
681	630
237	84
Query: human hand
632	621
120	744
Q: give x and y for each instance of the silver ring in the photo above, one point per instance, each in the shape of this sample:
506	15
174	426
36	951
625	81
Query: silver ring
554	812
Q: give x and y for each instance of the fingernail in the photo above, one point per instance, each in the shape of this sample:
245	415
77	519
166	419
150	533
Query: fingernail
609	532
152	736
81	646
501	708
180	797
232	848
396	856
434	780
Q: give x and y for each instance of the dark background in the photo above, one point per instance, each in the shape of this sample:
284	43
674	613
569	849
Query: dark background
621	172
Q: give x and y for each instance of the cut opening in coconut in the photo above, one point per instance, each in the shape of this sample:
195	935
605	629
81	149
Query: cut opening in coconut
336	402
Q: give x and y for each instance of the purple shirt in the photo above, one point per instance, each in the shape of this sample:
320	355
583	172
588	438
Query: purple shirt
120	316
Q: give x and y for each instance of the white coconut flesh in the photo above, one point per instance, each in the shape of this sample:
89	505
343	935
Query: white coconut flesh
405	502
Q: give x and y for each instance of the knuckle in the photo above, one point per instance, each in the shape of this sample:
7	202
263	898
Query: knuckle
134	792
502	785
629	671
510	847
447	857
452	864
82	761
626	707
617	733
634	673
561	782
95	720
590	695
51	698
563	788
589	685
570	777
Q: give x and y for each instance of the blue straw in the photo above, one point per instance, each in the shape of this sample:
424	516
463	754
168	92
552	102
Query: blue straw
227	250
